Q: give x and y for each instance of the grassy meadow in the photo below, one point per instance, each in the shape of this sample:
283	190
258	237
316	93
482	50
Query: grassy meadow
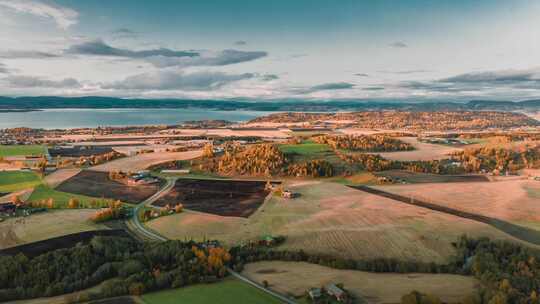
227	291
11	181
45	225
61	199
21	150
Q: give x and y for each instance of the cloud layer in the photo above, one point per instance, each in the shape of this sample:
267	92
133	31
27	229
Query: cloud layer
63	17
164	57
332	86
20	81
509	80
170	80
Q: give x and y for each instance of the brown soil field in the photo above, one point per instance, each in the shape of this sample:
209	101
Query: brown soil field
41	226
56	178
330	218
295	278
97	184
66	241
220	197
79	151
415	178
511	200
423	151
143	161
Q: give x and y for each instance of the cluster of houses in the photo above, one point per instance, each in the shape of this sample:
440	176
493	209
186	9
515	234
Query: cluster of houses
141	178
7	209
330	291
11	209
390	180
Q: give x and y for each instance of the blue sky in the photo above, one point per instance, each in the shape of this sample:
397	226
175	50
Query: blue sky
315	49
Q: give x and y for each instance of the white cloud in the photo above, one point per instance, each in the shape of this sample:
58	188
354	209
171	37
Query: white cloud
63	17
21	81
170	80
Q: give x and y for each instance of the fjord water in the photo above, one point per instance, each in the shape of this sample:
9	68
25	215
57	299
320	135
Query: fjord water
88	118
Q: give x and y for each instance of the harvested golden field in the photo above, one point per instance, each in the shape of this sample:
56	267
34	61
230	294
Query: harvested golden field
143	161
268	133
360	131
56	178
423	151
42	226
334	219
515	201
295	278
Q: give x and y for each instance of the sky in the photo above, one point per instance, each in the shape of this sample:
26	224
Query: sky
265	50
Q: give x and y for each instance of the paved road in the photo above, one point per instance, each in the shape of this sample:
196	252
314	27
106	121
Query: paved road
135	224
138	228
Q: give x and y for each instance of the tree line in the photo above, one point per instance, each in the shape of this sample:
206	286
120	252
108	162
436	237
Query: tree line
364	143
508	272
499	159
262	160
126	267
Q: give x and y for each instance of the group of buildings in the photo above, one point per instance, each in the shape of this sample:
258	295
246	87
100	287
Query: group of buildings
332	291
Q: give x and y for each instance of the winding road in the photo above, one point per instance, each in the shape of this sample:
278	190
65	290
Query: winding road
135	225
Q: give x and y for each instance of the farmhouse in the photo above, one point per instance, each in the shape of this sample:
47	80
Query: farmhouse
315	293
288	194
141	178
7	208
336	292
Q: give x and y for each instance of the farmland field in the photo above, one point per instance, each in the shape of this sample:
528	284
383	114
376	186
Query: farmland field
98	184
37	248
61	199
45	225
423	151
221	197
143	161
57	177
227	291
78	151
304	148
294	278
21	150
11	181
513	200
308	150
330	218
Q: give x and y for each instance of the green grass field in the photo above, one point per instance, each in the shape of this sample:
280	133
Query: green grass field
306	148
21	150
228	291
11	181
61	199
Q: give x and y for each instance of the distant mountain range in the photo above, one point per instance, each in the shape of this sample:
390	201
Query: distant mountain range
8	104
